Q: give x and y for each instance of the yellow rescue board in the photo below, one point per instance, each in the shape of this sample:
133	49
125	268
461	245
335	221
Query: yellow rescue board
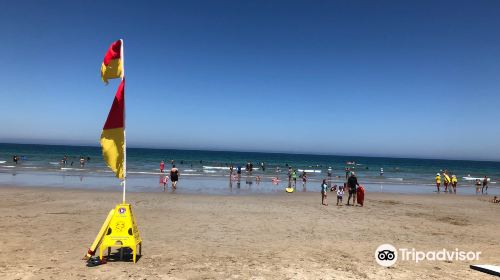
100	235
289	190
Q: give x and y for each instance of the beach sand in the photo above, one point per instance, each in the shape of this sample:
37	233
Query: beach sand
44	233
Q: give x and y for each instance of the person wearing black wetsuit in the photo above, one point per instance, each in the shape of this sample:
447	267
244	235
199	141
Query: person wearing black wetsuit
352	182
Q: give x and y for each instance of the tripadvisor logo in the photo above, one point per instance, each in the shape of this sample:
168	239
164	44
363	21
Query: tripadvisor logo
387	255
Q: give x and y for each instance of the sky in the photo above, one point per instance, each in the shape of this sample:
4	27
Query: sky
373	78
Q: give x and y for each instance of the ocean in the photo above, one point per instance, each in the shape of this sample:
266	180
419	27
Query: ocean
207	171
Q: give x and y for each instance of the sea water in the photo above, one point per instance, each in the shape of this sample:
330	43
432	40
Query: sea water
207	171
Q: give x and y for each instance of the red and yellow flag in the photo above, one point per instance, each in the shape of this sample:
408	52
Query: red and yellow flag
113	134
112	66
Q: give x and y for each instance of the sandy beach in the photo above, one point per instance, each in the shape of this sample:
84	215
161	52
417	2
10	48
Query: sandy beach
46	231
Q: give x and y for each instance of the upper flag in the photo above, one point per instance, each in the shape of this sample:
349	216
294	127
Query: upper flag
113	134
112	65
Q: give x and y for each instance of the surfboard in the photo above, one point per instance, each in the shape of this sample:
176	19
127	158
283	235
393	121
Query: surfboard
360	195
289	190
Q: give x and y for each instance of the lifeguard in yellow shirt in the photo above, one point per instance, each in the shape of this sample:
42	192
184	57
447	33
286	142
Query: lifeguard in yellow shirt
438	181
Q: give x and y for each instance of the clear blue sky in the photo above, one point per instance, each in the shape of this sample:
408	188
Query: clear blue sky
382	78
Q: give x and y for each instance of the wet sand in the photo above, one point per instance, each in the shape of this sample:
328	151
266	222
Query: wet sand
44	232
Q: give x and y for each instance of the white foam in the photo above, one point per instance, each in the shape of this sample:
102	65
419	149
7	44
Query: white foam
216	167
2	161
469	178
54	163
69	168
395	179
209	171
226	168
309	170
189	170
144	172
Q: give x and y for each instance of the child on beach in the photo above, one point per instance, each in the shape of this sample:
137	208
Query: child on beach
324	187
340	194
165	183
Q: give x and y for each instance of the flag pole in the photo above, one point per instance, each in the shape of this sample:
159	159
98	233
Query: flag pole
124	128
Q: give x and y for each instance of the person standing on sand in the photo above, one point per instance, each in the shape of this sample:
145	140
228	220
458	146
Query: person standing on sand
447	180
340	194
162	166
454	182
485	184
324	188
352	182
174	177
438	181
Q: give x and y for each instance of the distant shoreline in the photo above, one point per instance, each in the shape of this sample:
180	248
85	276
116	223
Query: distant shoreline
132	147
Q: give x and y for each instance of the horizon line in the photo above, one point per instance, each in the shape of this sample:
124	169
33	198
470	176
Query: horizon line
253	151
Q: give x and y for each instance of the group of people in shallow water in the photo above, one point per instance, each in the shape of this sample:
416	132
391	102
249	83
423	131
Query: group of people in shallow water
450	183
173	176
